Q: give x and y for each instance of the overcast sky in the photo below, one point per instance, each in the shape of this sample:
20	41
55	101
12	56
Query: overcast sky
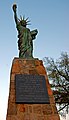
50	17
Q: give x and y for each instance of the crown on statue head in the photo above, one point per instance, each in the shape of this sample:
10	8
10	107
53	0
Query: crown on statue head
24	21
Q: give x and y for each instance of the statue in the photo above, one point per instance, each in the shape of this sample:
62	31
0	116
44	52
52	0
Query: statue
26	37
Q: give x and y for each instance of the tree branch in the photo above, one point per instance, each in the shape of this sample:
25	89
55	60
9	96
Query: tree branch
63	107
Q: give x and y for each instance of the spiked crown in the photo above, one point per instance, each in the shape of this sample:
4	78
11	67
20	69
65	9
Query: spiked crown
24	21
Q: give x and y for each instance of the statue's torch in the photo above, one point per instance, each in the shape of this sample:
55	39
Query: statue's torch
14	7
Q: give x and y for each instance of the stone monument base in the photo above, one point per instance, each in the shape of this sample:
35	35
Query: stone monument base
22	111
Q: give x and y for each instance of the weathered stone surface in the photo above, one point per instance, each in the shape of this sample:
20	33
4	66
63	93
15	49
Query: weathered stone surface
26	116
52	100
15	68
33	72
21	108
40	70
53	117
37	109
12	77
47	109
41	117
12	109
54	109
12	98
30	111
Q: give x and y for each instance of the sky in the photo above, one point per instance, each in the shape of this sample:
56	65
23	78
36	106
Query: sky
49	17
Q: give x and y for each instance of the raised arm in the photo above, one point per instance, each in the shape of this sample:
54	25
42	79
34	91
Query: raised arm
15	14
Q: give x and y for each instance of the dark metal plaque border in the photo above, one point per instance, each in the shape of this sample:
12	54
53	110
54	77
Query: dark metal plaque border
31	89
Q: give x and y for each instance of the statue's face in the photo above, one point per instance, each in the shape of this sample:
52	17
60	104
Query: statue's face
23	23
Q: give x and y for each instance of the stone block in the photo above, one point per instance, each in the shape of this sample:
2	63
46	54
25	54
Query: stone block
52	100
47	109
12	109
26	116
40	70
15	68
30	108
54	109
12	98
33	72
53	117
37	109
41	117
21	108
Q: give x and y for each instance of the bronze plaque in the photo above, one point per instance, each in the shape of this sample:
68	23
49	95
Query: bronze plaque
31	89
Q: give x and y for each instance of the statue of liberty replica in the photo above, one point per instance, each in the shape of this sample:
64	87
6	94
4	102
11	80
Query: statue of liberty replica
30	94
26	37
